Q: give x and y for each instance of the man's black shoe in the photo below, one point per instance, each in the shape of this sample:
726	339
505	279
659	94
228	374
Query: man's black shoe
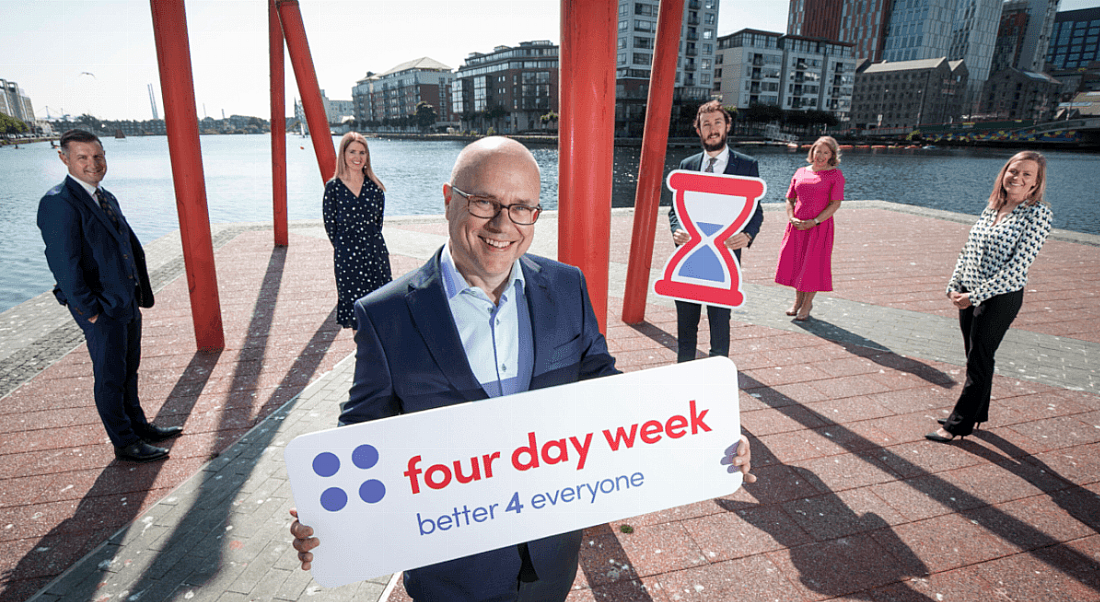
140	452
157	433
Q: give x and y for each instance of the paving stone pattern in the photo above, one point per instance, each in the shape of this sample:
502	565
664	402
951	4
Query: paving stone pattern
852	502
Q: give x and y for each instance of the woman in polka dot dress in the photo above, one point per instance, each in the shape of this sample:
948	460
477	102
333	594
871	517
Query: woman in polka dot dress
353	205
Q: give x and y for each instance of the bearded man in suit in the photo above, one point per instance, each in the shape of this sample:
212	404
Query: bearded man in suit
712	123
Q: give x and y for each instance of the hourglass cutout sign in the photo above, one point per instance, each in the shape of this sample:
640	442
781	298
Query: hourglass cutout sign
711	208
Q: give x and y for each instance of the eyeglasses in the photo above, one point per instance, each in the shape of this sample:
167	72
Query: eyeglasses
486	208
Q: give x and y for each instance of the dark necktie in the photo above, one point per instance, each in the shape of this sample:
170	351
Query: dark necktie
710	166
102	198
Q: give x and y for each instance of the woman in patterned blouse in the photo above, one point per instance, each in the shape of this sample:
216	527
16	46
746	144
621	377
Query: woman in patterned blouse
988	283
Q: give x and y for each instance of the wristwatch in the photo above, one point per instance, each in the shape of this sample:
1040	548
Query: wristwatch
816	223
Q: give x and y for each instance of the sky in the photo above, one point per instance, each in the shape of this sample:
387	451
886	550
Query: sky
98	57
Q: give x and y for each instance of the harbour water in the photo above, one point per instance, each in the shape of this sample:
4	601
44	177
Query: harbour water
238	185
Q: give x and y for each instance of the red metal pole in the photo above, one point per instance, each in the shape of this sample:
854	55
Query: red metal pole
296	43
586	142
278	124
181	119
652	166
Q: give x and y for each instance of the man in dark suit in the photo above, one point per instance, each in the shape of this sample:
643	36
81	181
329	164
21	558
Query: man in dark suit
480	319
712	123
101	277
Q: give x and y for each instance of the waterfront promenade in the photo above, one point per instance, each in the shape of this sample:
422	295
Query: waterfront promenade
852	502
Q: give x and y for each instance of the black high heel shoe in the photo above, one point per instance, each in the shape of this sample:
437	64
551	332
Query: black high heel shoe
977	425
938	438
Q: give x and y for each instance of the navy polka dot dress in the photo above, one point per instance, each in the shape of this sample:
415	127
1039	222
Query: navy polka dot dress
354	225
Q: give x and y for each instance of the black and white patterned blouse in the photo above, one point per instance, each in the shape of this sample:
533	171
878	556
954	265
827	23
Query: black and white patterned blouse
996	258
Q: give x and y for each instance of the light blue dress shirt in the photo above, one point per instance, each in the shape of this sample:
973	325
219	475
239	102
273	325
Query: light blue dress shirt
496	336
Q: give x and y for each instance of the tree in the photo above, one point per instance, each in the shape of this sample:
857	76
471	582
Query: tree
550	118
90	121
425	115
761	113
495	114
10	125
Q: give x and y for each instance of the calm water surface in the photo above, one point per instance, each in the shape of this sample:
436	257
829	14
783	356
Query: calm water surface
238	185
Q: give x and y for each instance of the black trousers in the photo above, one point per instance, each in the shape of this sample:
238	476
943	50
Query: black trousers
115	349
983	329
687	330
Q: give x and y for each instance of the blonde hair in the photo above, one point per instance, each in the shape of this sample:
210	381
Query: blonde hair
832	144
342	172
998	196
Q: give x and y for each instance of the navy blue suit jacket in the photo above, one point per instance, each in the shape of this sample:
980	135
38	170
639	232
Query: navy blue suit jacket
410	358
97	267
738	165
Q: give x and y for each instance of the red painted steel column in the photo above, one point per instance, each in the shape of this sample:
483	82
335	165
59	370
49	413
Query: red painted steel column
296	43
586	141
181	119
278	124
652	166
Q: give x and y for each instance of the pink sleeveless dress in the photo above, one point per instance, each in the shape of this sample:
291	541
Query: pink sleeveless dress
806	257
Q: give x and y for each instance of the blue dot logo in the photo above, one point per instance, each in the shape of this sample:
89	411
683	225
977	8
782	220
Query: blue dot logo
326	464
372	491
334	499
364	457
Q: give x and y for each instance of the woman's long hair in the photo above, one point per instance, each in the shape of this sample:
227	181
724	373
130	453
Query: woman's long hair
342	166
997	198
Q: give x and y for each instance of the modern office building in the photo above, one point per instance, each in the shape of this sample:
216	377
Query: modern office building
789	71
1074	39
956	29
1016	94
394	94
862	23
1024	35
907	94
508	89
908	30
15	103
634	58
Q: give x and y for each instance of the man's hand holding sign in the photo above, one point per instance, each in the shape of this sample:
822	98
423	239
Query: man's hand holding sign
473	459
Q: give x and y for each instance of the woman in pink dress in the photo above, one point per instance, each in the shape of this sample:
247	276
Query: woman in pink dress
805	259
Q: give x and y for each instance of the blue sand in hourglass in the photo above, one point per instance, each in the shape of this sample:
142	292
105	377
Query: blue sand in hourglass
703	263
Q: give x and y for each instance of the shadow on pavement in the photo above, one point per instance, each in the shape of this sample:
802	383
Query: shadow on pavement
847	554
872	350
114	500
1010	529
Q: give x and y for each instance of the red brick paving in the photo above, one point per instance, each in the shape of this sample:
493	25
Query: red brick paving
852	503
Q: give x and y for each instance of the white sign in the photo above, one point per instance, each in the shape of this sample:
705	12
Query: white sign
422	488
